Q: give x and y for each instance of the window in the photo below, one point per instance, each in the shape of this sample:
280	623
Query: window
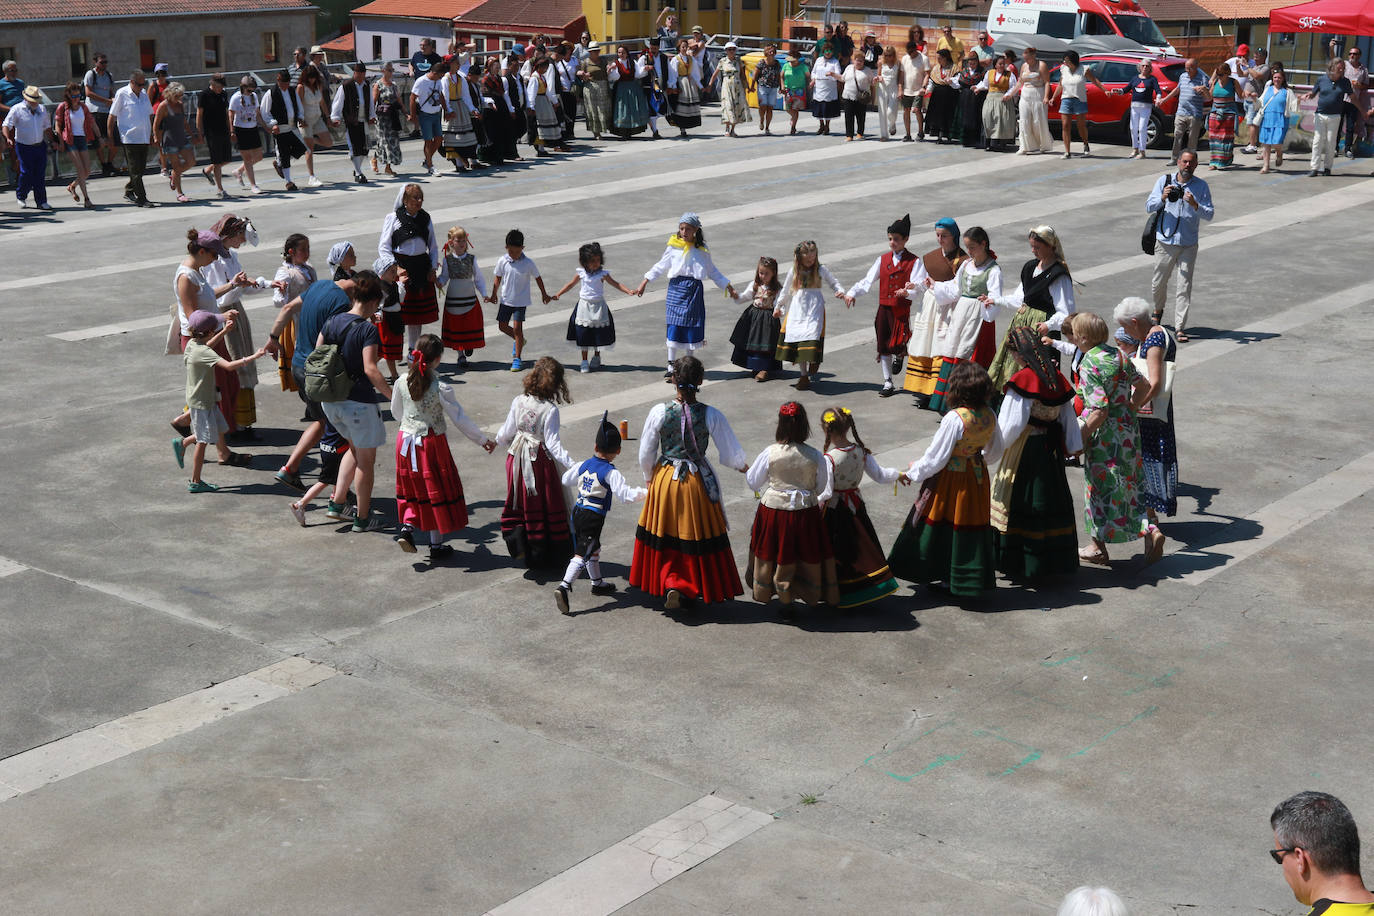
212	52
78	53
403	49
271	47
507	44
754	5
147	54
629	6
1057	25
610	6
706	5
8	54
479	43
376	47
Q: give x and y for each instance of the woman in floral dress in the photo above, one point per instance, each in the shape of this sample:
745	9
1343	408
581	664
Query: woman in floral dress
734	103
1113	511
386	102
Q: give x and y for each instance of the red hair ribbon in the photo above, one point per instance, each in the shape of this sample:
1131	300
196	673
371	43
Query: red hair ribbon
789	409
417	359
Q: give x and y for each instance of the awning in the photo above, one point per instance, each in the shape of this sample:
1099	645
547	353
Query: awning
1333	17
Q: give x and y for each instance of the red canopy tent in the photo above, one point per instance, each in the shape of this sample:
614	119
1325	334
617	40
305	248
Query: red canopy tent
1332	17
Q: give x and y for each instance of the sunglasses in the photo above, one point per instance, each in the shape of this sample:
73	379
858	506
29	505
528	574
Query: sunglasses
1278	854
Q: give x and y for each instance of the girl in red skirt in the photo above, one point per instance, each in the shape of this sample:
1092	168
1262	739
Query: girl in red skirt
429	493
463	292
789	549
534	522
388	318
408	237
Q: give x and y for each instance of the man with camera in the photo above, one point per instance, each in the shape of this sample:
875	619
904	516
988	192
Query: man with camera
1185	201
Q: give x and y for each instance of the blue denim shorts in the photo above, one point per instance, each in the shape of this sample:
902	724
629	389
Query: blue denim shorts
770	98
431	125
1072	107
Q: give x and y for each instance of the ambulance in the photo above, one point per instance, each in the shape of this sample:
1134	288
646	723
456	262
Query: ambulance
1068	19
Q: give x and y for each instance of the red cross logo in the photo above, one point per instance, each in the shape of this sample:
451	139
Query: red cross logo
1001	19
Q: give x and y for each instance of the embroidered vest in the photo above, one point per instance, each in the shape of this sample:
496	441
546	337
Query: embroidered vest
892	277
791	477
424	416
979	426
670	444
1035	290
973	284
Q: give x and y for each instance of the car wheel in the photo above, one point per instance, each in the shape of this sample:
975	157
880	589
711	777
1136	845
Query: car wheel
1155	135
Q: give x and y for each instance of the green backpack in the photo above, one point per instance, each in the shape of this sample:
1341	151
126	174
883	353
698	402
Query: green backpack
326	376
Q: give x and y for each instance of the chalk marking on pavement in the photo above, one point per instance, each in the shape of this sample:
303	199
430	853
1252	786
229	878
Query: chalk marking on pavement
120	737
622	873
9	567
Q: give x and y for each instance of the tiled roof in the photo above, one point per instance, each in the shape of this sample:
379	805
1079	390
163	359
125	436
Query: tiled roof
933	8
1244	9
536	14
33	10
414	9
343	44
1177	10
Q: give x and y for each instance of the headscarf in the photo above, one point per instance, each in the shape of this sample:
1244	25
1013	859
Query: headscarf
690	219
383	264
1047	235
1040	358
1125	338
949	225
339	252
901	227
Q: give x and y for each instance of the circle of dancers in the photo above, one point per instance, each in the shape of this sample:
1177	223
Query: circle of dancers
990	493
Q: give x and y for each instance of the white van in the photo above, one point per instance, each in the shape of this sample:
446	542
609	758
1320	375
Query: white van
1068	19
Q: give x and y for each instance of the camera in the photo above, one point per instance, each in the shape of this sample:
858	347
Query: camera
1173	192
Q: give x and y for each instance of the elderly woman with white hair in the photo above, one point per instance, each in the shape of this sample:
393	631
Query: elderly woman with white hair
1155	351
1092	901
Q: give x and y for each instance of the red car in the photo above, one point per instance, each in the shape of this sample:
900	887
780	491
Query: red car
1115	70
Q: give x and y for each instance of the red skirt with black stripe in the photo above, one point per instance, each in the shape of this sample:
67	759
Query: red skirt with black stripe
464	332
430	496
419	305
534	524
393	334
790	555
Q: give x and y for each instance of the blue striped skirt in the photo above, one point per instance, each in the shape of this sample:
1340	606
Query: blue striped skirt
686	310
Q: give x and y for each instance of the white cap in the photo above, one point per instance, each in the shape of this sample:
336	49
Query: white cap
731	44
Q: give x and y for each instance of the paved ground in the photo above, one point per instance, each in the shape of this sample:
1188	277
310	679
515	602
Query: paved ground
446	742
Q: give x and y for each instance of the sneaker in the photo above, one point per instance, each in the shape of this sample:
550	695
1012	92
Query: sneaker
560	598
1250	149
313	182
888	390
585	367
1313	173
242	182
200	486
255	190
596	361
1325	172
299	512
372	523
462	361
406	539
897	361
362	179
672	600
603	588
515	365
440	551
180	451
344	513
291	479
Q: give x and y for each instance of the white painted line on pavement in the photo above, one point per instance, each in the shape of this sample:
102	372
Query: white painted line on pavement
120	737
9	567
621	874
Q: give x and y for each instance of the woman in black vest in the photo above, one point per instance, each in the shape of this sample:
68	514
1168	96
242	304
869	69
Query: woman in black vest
497	122
1042	301
408	237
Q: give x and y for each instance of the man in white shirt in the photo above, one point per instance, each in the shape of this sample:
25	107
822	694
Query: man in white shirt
429	108
352	107
564	75
131	113
283	118
28	129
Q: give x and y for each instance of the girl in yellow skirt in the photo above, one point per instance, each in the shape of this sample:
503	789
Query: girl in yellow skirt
293	277
682	548
789	551
948	536
939	265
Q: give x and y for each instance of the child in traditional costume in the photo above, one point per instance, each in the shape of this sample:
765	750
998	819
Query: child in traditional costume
534	522
802	310
1042	300
756	333
892	272
429	492
682	548
789	549
408	237
388	318
343	259
948	535
590	326
939	265
860	564
293	277
463	289
595	481
686	262
1032	508
960	318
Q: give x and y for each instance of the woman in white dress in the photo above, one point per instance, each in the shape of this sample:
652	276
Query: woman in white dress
1031	90
825	89
886	88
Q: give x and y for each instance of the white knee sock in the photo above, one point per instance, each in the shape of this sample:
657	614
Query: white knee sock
653	123
594	568
412	336
357	163
574	570
286	172
435	539
673	353
886	363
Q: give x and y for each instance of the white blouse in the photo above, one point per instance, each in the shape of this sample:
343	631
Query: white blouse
223	269
532	89
825	75
728	449
691	262
400	395
872	468
1014	417
857	81
552	443
413	247
864	285
942	447
1061	291
987	86
757	477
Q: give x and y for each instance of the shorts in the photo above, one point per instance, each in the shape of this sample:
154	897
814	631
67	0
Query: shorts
508	313
316	127
172	150
587	525
431	125
248	138
769	97
102	124
78	144
1073	107
332	449
313	411
359	423
208	424
911	101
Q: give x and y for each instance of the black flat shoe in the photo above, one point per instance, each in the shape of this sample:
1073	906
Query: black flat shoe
440	552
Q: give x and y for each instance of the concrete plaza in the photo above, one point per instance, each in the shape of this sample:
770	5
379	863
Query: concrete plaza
206	709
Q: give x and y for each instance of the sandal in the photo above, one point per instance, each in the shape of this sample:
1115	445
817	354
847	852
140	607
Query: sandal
1154	545
71	189
1182	337
1158	317
237	460
183	199
1095	556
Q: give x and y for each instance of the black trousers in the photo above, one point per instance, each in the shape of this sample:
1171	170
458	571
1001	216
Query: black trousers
854	114
569	100
289	146
357	139
137	156
1352	124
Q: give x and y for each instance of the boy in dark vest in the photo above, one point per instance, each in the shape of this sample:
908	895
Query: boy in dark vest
596	479
892	272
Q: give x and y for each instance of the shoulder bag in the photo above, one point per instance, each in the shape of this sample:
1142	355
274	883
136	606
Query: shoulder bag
1147	236
1158	406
